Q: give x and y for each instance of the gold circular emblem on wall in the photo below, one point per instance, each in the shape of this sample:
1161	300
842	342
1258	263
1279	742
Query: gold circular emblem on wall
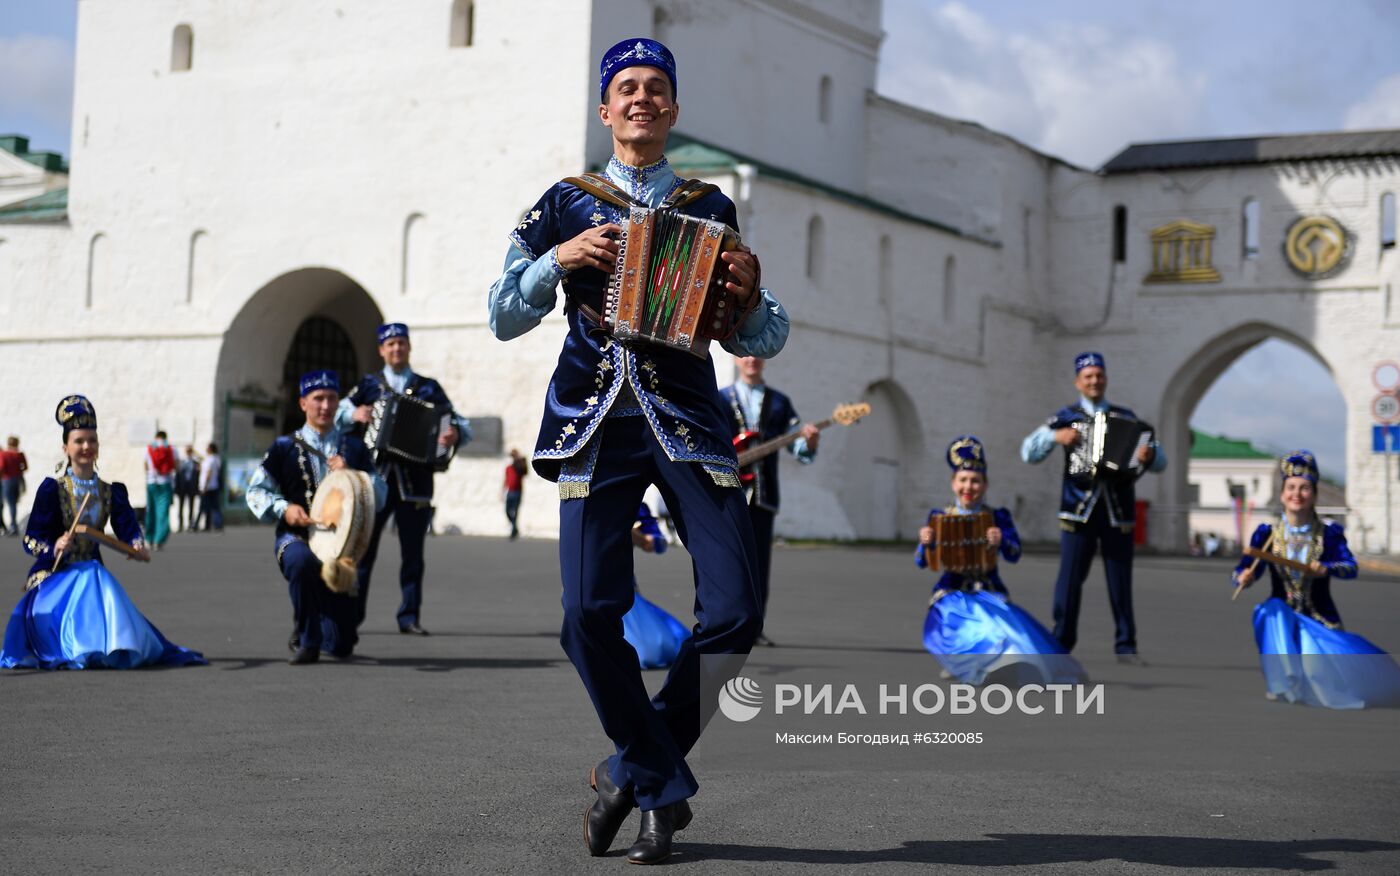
1317	246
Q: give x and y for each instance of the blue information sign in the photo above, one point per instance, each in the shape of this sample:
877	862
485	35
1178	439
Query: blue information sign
1378	439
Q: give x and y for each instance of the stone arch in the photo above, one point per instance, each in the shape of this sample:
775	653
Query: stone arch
259	338
881	463
1168	527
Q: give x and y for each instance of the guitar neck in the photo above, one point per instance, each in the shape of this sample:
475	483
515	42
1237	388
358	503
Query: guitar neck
773	445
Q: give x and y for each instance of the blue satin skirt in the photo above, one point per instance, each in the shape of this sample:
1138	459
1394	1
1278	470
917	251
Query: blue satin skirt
653	633
976	634
80	618
1306	662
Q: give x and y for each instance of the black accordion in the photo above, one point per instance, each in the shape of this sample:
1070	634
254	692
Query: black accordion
1112	441
406	429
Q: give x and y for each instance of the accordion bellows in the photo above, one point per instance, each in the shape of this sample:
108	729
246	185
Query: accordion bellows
668	285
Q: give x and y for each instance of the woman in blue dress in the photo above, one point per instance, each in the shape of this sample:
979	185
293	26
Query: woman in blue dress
652	632
74	614
972	627
1306	655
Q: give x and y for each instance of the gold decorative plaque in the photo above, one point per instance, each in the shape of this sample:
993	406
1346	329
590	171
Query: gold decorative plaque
1317	246
1181	253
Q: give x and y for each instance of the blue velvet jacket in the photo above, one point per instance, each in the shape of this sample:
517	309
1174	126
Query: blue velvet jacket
1080	491
1010	551
53	513
674	390
414	482
776	417
1308	596
289	464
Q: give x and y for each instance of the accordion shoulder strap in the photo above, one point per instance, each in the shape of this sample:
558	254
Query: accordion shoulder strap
603	188
690	191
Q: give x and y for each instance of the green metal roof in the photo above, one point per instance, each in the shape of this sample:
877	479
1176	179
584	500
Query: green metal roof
48	207
19	147
1207	446
696	156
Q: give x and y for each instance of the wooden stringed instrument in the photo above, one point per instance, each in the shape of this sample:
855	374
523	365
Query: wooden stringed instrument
751	452
97	535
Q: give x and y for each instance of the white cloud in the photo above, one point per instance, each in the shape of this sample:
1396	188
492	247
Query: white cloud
1079	91
36	78
1379	109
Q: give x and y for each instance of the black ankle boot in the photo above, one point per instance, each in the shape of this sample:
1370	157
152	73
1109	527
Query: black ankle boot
604	818
653	843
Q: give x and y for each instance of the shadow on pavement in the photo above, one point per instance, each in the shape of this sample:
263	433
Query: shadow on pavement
1030	849
425	664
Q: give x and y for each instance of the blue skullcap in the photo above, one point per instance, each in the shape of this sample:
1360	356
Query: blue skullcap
967	454
1087	360
314	380
75	412
1299	464
392	330
635	52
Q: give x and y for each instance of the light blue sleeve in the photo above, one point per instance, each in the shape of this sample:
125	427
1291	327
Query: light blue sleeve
264	497
464	429
344	416
804	454
763	333
524	293
1159	461
381	489
1038	445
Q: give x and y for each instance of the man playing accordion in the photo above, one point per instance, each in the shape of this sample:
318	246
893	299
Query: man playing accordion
1097	510
410	499
620	416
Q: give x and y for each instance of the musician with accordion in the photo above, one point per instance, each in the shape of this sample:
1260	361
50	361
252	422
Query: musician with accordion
1107	448
972	628
283	489
652	270
412	432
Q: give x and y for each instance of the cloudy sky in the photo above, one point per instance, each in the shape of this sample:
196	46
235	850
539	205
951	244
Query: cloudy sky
1075	78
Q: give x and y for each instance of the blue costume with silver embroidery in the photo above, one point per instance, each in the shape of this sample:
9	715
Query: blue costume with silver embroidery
596	376
1095	514
618	419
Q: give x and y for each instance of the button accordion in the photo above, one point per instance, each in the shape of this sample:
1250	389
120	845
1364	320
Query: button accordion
403	428
668	284
960	544
1109	444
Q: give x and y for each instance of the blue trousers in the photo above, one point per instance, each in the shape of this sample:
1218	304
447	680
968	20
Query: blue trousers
324	620
1077	549
9	492
412	520
763	547
652	735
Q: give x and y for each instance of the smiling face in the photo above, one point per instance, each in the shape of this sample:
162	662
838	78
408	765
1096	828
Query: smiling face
319	407
639	107
395	352
1092	382
81	447
969	487
1299	495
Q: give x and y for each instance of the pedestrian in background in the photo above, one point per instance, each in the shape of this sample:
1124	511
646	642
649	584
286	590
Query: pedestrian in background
187	489
13	465
160	487
515	481
211	480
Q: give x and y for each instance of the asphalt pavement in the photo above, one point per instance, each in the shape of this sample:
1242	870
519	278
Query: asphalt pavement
468	751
